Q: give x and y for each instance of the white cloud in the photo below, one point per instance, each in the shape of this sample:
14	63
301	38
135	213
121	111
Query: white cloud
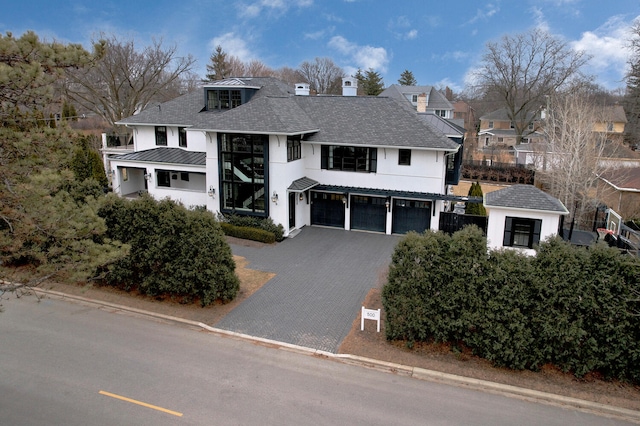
233	45
319	34
365	57
489	10
279	7
607	46
539	19
411	35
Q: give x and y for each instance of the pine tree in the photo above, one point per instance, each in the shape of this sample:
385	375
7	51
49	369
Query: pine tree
475	208
407	79
370	82
218	68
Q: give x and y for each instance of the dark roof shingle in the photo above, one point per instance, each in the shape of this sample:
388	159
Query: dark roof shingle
526	197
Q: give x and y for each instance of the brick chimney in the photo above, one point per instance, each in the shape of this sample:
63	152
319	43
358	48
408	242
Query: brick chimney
422	102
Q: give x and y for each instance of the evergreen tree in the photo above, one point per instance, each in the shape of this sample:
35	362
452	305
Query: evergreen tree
218	68
87	164
475	208
370	82
407	79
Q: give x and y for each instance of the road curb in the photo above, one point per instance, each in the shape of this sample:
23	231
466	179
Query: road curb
404	370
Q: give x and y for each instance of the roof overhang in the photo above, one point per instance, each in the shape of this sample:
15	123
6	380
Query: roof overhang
394	193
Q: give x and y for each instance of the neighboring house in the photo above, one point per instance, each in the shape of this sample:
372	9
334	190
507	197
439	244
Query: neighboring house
497	129
255	146
463	111
421	98
620	190
613	123
520	216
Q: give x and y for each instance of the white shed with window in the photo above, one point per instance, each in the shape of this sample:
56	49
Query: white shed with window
521	216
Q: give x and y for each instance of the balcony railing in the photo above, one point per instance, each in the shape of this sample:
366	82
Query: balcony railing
119	141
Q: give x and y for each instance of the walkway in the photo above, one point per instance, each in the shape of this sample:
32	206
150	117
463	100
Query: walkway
323	276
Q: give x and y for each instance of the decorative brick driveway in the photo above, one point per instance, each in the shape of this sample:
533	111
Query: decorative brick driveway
322	277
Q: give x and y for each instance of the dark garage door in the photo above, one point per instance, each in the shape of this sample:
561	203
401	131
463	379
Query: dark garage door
410	215
368	213
327	209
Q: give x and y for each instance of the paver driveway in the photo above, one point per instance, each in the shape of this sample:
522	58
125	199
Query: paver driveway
322	277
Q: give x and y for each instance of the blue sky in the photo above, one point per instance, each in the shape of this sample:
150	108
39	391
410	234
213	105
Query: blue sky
439	41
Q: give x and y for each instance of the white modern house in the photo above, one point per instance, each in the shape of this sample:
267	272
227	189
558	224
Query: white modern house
255	146
520	216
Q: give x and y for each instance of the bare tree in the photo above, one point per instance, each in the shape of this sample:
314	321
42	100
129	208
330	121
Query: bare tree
289	75
576	153
632	95
323	76
522	69
125	80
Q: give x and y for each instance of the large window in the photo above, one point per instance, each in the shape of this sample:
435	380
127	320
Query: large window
161	135
521	232
223	99
349	158
182	137
294	151
243	160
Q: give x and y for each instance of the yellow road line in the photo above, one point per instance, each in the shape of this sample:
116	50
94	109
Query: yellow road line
144	404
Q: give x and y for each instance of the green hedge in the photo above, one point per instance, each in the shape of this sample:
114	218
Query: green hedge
246	233
266	224
572	307
174	251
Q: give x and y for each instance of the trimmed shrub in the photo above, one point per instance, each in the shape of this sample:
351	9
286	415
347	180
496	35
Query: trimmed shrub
266	224
576	308
246	233
174	251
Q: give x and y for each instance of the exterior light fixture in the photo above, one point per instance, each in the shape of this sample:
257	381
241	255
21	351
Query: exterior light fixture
212	191
301	197
274	197
387	204
147	176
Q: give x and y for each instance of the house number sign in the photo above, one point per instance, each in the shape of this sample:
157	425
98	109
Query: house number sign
370	314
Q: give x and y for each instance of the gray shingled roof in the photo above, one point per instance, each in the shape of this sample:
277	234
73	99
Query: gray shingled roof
372	121
302	184
526	197
178	111
165	155
355	120
436	99
443	125
503	115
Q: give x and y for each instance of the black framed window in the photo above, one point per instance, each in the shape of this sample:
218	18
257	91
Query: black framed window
349	158
294	148
182	137
243	159
161	135
521	232
223	99
404	157
164	178
184	176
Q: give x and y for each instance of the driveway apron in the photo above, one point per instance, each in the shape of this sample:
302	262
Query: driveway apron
322	278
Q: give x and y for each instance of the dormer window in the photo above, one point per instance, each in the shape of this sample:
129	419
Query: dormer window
223	99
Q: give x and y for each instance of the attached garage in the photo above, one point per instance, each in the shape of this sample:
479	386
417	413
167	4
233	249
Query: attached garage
327	209
410	215
368	213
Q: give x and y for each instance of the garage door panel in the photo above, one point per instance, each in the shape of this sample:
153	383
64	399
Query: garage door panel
410	215
327	209
368	213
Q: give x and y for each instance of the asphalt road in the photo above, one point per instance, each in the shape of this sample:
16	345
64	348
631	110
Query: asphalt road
68	364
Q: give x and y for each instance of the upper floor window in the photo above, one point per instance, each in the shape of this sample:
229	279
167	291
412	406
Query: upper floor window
491	124
530	127
223	99
404	157
182	137
512	125
609	127
294	149
349	158
441	112
521	232
161	135
414	98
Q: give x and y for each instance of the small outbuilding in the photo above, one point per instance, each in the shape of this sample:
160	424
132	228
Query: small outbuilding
520	216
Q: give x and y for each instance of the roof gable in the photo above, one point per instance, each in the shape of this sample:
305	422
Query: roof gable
524	197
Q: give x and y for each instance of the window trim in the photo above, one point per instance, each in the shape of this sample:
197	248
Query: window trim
404	157
161	135
294	148
182	137
329	161
510	234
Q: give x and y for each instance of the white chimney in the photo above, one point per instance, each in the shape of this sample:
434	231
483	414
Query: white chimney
422	102
302	89
349	86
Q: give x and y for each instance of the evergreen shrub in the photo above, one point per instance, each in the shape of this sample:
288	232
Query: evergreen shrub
576	308
174	251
